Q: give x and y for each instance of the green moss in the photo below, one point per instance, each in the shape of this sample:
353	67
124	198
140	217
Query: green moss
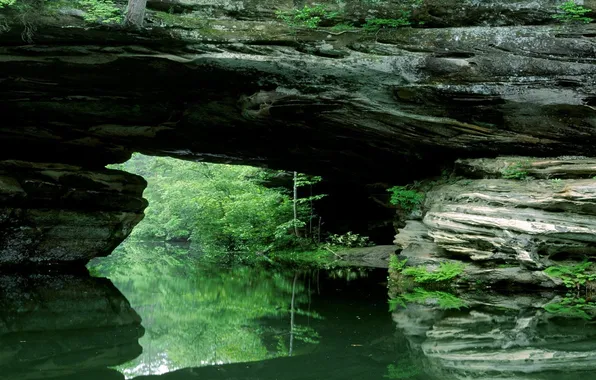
421	296
573	308
343	27
516	170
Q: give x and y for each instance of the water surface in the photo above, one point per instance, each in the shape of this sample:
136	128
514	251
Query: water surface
163	314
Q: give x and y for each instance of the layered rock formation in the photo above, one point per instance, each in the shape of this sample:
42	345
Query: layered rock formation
65	326
544	217
498	338
226	81
63	214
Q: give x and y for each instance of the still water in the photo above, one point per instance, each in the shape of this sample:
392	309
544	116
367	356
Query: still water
161	314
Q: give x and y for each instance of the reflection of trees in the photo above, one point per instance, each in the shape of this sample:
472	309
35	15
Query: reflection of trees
197	316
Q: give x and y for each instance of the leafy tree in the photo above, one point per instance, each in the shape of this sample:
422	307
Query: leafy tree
225	210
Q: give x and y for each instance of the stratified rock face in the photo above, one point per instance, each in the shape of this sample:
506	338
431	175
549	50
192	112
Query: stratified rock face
62	214
533	222
55	326
227	81
498	338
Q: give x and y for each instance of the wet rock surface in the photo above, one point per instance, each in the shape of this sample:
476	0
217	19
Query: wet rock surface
56	214
497	337
64	326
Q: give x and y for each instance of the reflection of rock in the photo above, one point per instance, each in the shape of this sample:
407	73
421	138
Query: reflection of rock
62	214
499	338
375	257
64	325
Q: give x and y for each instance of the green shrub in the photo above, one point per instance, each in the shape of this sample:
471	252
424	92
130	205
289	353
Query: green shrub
397	265
308	17
573	276
515	170
375	24
349	240
573	308
573	13
102	11
96	11
405	197
446	271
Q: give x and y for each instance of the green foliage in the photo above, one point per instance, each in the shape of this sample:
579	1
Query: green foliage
343	27
573	13
405	197
573	307
101	11
96	11
7	3
349	240
397	265
573	276
308	17
515	170
422	296
196	315
446	271
404	370
223	209
375	24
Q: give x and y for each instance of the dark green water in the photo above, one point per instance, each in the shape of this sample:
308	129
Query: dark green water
161	314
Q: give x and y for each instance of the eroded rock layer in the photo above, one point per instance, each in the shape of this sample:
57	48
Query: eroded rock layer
543	214
63	214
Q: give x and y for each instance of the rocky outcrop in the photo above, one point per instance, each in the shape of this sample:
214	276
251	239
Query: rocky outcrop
65	326
545	218
227	81
373	257
497	337
62	214
229	90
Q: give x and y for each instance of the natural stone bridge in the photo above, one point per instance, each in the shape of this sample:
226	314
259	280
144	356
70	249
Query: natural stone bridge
225	81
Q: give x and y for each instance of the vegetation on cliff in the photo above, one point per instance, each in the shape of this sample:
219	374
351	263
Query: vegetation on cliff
235	213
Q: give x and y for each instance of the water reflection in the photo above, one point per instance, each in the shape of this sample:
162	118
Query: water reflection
199	316
497	337
254	323
64	326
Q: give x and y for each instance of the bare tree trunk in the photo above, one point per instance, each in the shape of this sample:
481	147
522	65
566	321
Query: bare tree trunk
135	13
296	203
319	232
292	315
311	237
